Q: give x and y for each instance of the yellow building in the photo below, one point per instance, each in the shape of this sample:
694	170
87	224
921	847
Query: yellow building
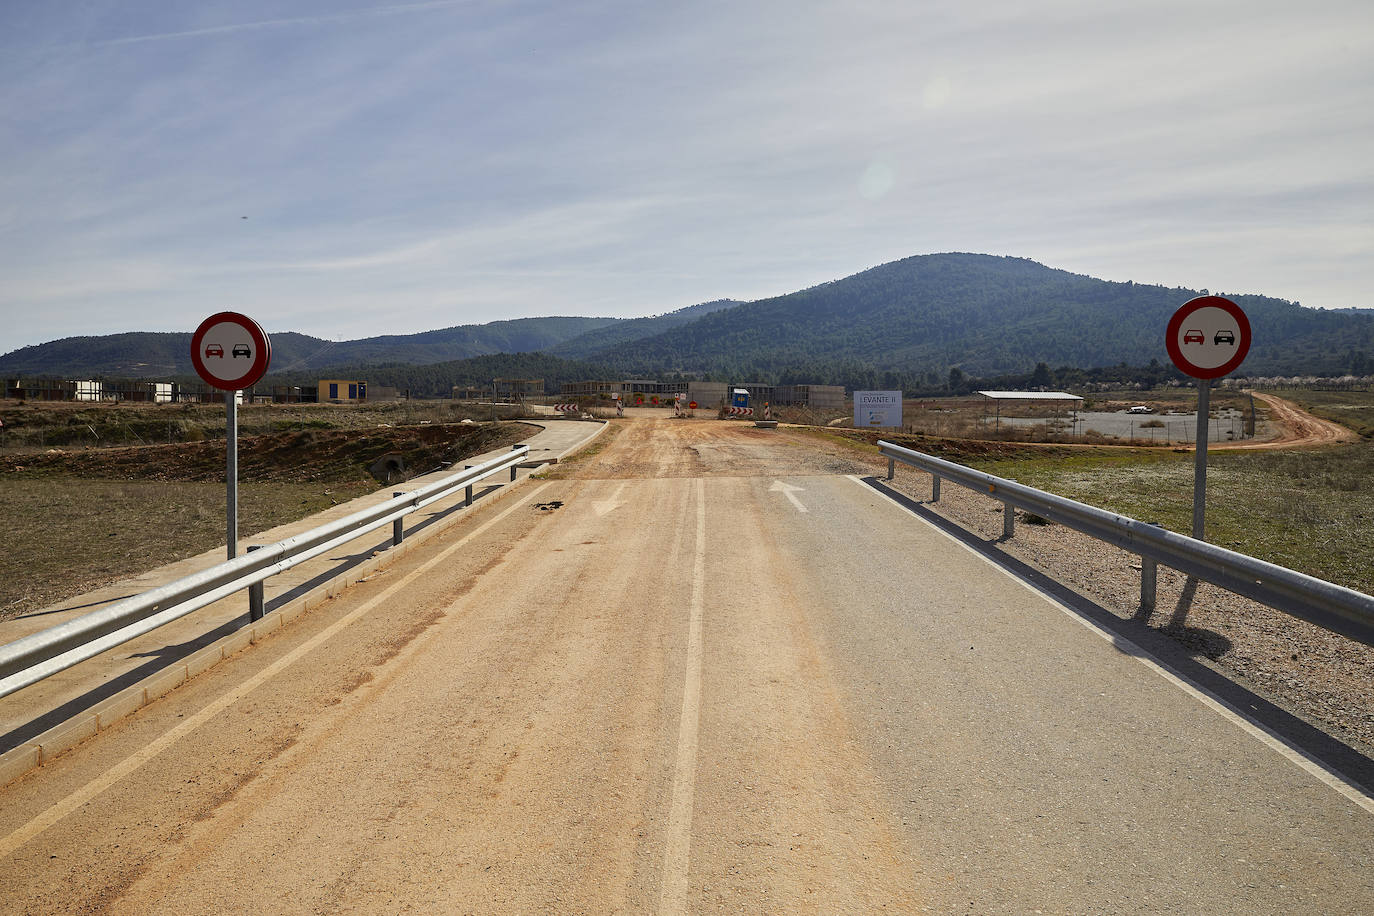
342	391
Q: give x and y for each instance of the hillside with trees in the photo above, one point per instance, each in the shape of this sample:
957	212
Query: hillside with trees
985	315
907	324
437	380
604	338
151	354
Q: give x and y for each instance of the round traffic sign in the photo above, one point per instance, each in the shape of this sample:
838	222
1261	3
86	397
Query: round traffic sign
230	351
1208	337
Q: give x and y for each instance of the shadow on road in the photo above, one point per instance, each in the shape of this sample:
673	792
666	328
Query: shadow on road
1175	647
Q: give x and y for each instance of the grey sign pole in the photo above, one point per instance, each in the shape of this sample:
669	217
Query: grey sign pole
1204	397
216	348
231	473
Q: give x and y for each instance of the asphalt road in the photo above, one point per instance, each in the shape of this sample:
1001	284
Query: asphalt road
708	669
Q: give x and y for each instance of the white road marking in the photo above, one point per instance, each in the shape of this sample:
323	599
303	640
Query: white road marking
790	492
129	764
1213	702
605	506
678	834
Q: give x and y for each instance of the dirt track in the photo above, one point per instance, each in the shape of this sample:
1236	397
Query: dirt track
1300	428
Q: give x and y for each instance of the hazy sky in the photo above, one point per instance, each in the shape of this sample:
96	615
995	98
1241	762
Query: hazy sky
410	166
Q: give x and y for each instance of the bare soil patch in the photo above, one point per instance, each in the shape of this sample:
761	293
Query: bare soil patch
78	519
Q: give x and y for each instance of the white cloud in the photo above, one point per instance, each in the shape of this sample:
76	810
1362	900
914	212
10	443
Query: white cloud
437	163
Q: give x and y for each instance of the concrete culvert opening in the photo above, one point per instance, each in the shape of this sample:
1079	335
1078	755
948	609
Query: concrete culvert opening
389	468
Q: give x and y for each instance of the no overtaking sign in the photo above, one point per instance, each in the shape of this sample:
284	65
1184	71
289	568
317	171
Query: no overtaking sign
230	351
1208	337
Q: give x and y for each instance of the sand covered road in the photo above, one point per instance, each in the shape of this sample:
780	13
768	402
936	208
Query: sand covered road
705	669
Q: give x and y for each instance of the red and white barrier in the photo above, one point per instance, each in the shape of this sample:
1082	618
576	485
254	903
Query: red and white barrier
740	411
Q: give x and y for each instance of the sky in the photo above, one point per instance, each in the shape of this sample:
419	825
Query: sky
347	169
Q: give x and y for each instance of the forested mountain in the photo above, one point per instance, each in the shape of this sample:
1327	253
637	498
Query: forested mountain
984	314
438	379
604	338
145	354
138	354
904	324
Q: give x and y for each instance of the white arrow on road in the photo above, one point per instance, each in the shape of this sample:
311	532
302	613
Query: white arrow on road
790	492
603	506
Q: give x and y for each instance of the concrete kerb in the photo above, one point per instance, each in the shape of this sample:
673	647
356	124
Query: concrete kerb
63	737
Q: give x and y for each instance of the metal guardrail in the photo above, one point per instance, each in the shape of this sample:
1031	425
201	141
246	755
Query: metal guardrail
27	661
1339	609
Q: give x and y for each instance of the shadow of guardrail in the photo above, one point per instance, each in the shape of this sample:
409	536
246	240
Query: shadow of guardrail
1177	649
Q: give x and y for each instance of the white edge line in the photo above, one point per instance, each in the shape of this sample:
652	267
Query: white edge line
1204	696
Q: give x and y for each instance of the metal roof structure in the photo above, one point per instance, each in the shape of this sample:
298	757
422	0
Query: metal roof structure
1029	396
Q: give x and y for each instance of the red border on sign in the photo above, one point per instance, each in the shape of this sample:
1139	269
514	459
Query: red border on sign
1180	316
260	362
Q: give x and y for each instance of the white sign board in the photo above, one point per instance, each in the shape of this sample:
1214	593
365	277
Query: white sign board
1208	337
877	408
230	351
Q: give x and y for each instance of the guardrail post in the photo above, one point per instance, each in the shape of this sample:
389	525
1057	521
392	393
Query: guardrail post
255	601
935	488
467	499
1008	520
514	467
398	525
891	468
1149	578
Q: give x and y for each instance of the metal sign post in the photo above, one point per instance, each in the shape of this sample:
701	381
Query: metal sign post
231	471
1204	407
230	352
1207	337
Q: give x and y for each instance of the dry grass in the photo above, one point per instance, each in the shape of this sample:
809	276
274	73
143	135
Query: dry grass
77	519
66	536
39	425
1307	509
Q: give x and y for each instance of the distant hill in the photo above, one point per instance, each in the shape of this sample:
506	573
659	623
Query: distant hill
903	324
146	354
986	315
439	379
608	336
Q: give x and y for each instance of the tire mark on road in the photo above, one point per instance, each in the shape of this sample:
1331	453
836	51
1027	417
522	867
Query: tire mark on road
678	836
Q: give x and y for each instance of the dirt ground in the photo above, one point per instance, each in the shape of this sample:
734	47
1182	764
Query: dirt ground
85	517
1300	428
538	679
